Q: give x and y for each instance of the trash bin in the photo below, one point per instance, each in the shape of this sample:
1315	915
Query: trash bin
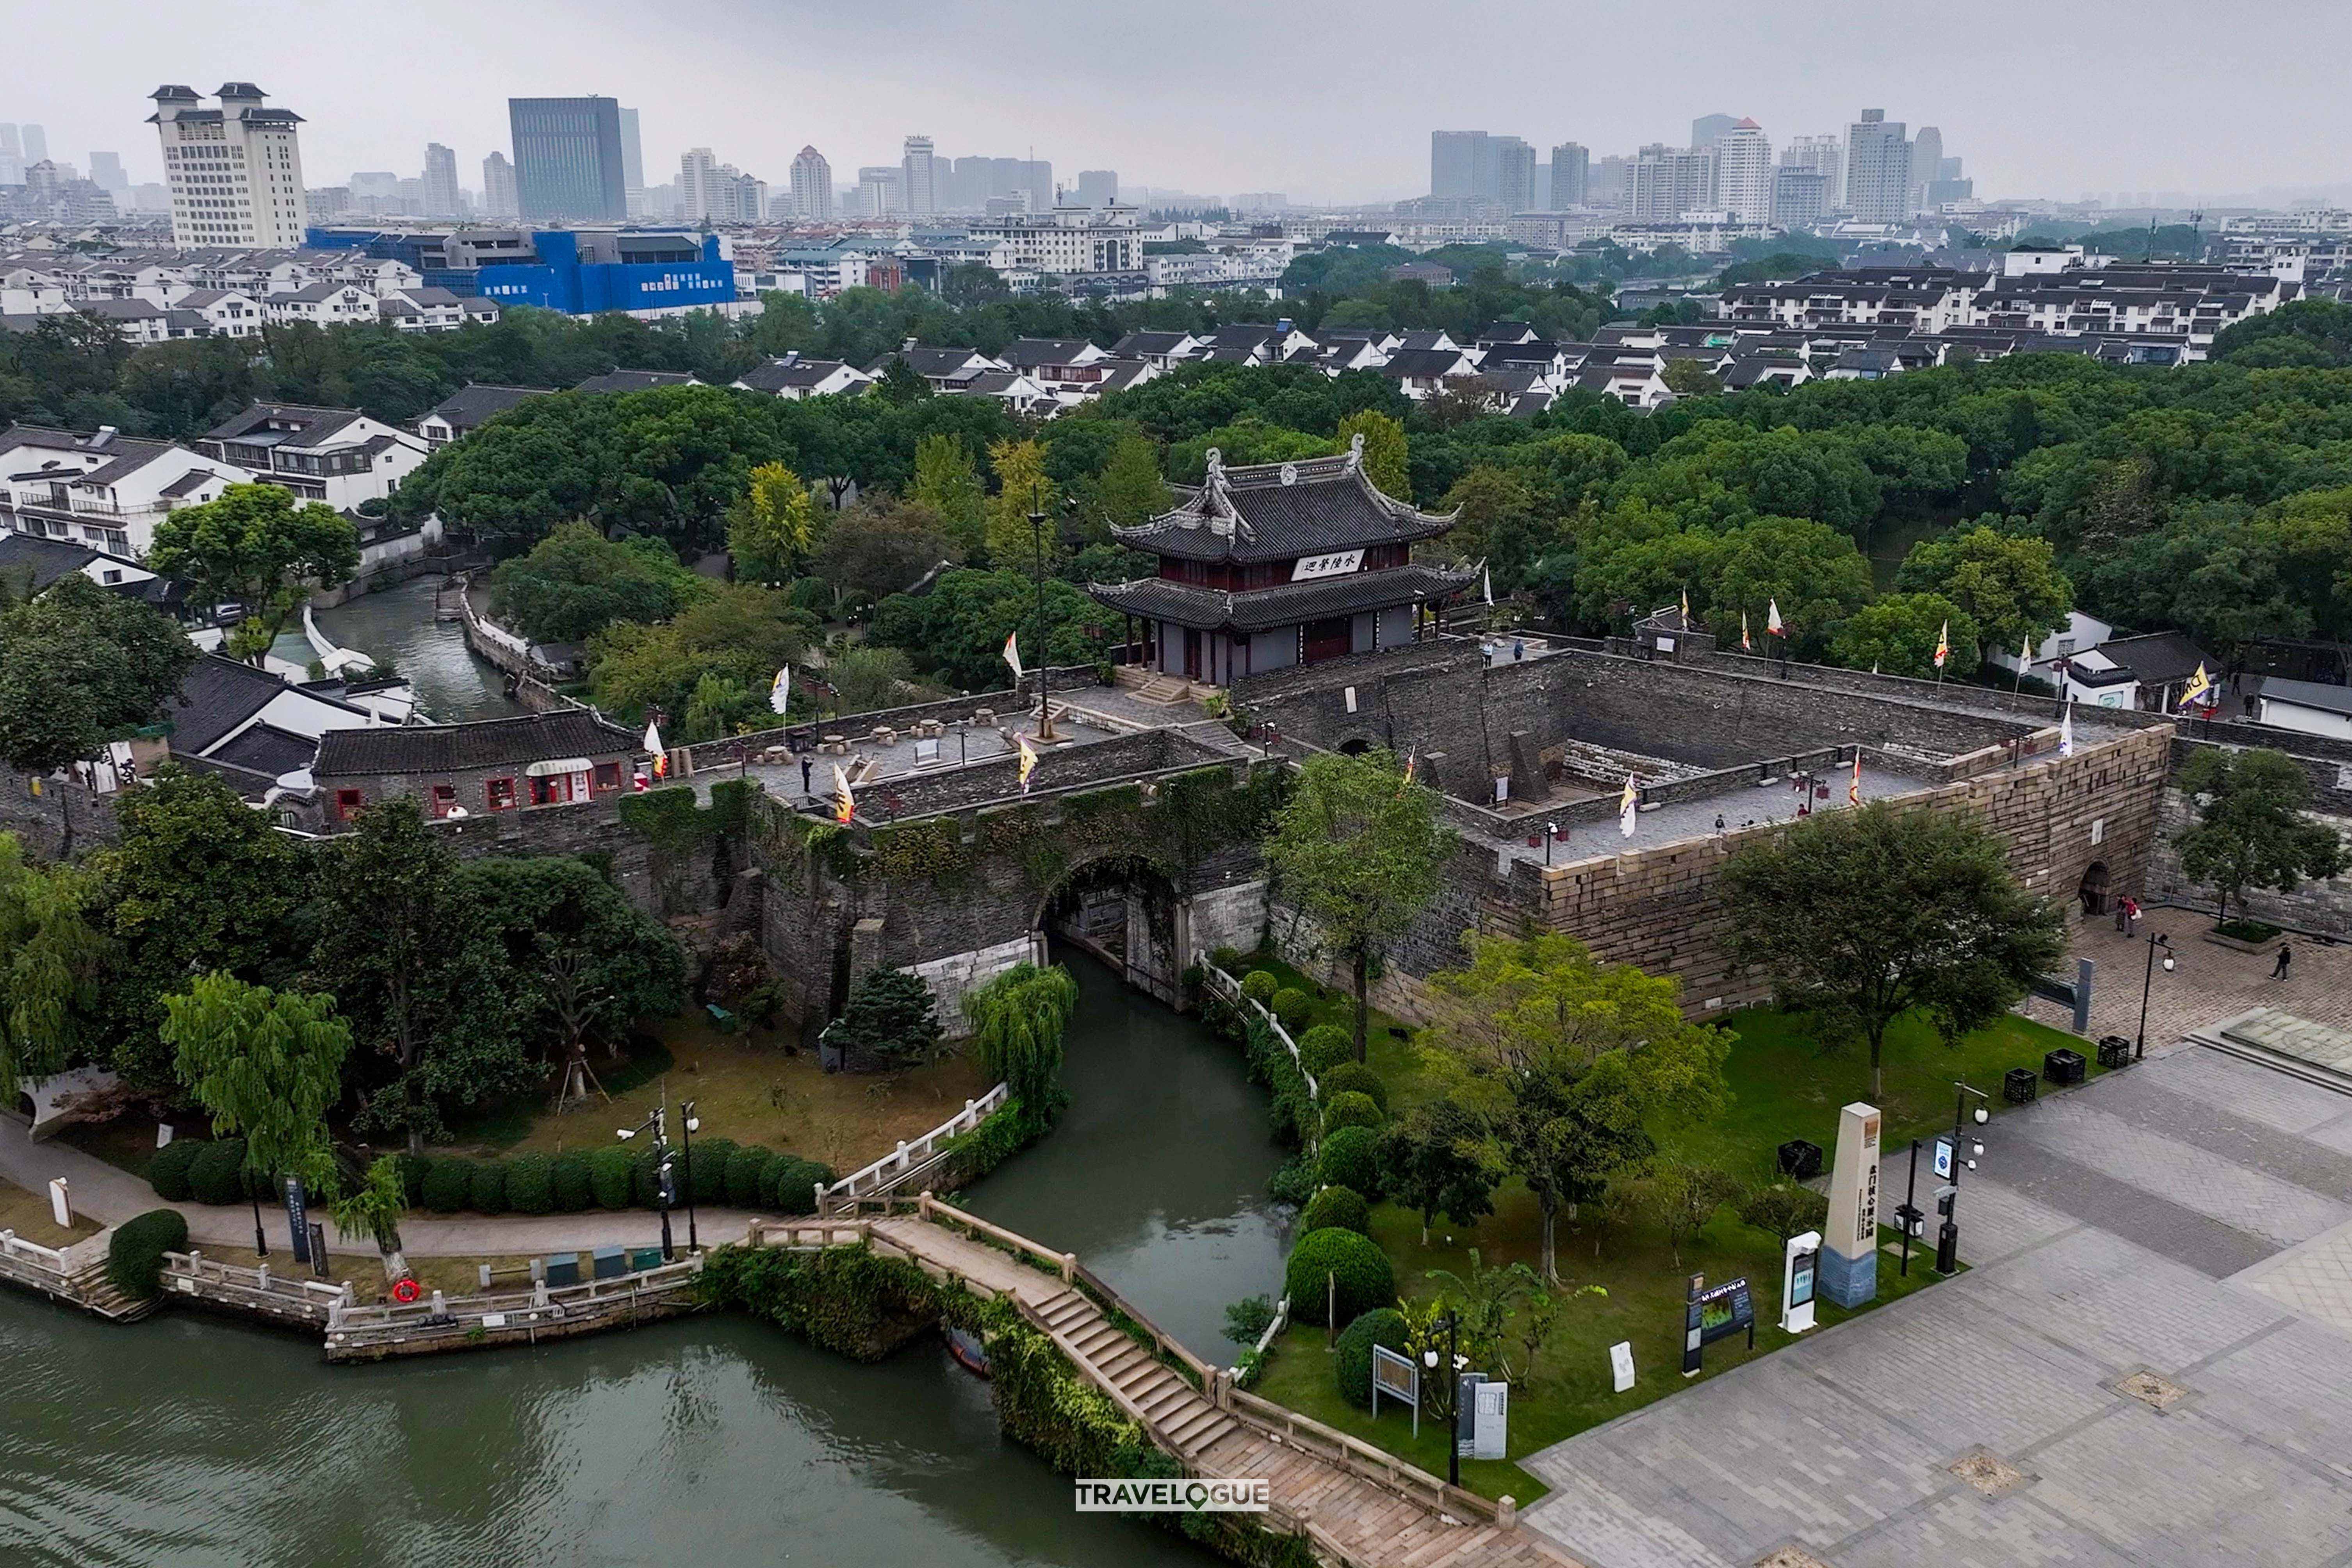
611	1262
645	1257
2115	1051
564	1268
2062	1067
1801	1159
2019	1086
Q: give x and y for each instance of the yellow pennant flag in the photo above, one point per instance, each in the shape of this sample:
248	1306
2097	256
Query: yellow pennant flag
1745	645
844	803
1628	804
1854	786
1943	643
1028	762
2193	693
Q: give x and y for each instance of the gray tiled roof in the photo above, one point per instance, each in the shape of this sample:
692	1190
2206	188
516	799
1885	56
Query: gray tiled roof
469	405
1248	513
633	380
453	748
1258	609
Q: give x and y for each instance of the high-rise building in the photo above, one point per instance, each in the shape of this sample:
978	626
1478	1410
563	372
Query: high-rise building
879	191
1571	172
11	145
1823	155
1926	160
1743	172
633	166
1514	176
235	171
1707	128
36	143
499	188
697	180
106	174
440	195
1097	187
1610	184
919	183
1663	183
812	185
1801	197
568	163
1454	157
1877	168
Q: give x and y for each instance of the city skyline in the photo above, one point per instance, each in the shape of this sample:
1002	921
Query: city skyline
861	83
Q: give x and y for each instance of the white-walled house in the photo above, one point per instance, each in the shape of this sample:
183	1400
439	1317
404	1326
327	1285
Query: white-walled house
102	490
792	377
323	305
2305	706
338	455
229	312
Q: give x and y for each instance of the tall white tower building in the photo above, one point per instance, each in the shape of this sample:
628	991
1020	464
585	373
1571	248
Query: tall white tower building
1743	172
812	184
920	182
235	171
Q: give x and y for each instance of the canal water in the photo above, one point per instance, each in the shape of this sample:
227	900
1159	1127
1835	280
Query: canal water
188	1442
395	626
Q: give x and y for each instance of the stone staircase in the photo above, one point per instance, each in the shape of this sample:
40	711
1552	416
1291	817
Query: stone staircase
1113	1359
1166	690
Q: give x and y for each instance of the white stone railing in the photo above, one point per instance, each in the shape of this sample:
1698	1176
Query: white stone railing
915	1159
1226	986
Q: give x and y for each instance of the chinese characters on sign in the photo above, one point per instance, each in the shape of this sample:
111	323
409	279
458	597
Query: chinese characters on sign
1338	563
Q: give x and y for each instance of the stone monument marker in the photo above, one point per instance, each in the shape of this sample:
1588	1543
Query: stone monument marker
1849	1264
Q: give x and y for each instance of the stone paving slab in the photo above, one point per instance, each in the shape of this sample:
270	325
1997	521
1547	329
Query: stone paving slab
2287	1389
2118	1303
2313	1281
2209	982
1965	1530
2160	1102
2209	1079
2150	1219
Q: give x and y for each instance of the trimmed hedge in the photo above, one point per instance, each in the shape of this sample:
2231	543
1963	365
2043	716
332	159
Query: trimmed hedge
1323	1048
796	1183
750	1173
1350	1109
489	1185
448	1186
168	1172
218	1175
705	1181
1353	1363
610	1173
1341	1209
1292	1007
1342	1261
135	1256
1353	1077
574	1183
1259	985
1351	1158
530	1183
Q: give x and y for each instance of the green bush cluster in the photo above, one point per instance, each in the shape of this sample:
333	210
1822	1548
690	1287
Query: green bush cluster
530	1183
1323	1048
1352	1365
1349	1109
218	1174
1351	1158
135	1256
1343	1270
1292	1007
1259	985
1337	1208
1353	1077
1292	1107
168	1172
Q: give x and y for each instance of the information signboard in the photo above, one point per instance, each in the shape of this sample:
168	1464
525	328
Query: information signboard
1399	1378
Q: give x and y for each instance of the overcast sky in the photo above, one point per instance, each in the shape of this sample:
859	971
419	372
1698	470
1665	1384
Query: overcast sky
1324	100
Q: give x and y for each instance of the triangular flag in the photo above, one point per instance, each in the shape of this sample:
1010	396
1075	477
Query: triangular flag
1486	578
1745	645
1854	786
1772	618
2025	653
1943	643
780	690
1028	761
1412	761
1685	609
2067	730
2198	685
1012	654
844	803
654	744
1627	805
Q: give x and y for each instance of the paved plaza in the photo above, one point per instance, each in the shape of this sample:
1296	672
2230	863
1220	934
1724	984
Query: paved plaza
2149	1363
2209	981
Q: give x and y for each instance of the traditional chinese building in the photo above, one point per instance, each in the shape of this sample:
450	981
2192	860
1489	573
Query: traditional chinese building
1276	564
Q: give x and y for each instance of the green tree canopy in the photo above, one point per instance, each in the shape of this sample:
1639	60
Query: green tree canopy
771	527
51	959
574	583
267	1064
2009	585
255	546
1017	1022
1861	916
1024	491
947	481
80	666
740	634
1387	458
1897	635
2250	830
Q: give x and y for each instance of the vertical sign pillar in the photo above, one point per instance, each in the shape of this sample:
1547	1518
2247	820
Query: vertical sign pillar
1849	1263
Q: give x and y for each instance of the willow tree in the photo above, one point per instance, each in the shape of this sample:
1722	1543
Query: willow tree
373	1209
1017	1021
49	962
1358	848
268	1064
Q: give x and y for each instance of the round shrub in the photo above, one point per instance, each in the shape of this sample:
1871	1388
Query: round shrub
1353	1077
1259	985
705	1181
796	1183
1325	1047
1339	1208
167	1173
1353	1363
1351	1158
448	1184
217	1176
1292	1007
751	1175
488	1186
1344	1263
135	1256
1350	1109
610	1173
530	1183
573	1182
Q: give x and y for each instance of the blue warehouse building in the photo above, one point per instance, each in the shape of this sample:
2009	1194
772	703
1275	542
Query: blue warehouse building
581	272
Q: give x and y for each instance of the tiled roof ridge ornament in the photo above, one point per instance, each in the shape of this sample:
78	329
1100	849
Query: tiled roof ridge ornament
1355	451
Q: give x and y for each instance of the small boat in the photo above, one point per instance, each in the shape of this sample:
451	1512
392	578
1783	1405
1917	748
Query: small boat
970	1353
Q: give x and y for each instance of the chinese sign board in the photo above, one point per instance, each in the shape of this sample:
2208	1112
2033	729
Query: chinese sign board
1338	563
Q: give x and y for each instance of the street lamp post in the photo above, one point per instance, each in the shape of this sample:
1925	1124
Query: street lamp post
1948	1235
693	1242
1037	565
664	1188
1452	1393
2140	1042
1551	832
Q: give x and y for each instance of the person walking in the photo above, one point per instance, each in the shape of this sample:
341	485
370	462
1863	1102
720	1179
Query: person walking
2123	915
2286	954
805	765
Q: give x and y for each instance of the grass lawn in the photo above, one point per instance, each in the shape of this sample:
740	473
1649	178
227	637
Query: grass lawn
28	1214
1783	1086
746	1088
